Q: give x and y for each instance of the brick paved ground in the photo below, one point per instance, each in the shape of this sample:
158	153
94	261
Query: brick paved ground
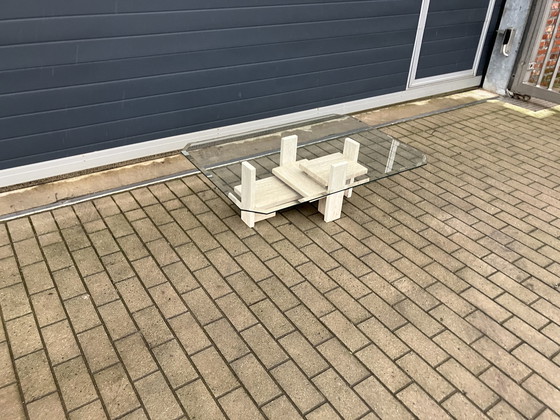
435	295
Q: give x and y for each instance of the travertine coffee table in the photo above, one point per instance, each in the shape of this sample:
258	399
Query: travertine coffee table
321	160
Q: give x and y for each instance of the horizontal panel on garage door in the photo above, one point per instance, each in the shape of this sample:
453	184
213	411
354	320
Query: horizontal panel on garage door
77	77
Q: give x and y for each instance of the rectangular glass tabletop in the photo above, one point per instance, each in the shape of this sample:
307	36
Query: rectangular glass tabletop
283	177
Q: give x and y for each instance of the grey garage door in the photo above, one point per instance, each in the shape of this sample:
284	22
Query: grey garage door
79	76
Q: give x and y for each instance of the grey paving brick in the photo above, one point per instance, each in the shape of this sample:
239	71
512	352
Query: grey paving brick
10	400
456	324
19	229
425	376
7	375
23	335
511	392
97	349
135	355
203	239
132	246
343	361
68	283
422	345
181	278
192	257
281	409
256	380
198	402
351	336
189	333
383	368
163	252
152	326
148	272
238	405
212	282
493	330
298	388
463	353
305	356
167	300
28	252
258	246
60	342
57	256
134	294
453	300
345	303
202	306
383	403
87	261
308	325
117	321
277	266
82	313
174	234
157	398
45	408
326	411
228	341
35	376
279	293
383	311
486	305
539	363
101	288
471	386
314	300
75	383
386	340
461	408
37	277
175	365
420	403
272	318
530	335
215	372
116	391
340	395
544	391
349	282
264	346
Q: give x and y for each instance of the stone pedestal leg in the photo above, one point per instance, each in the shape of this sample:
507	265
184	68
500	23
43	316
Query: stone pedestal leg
331	205
248	196
351	152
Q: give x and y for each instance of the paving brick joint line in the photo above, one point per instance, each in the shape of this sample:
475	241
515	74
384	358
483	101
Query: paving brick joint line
435	295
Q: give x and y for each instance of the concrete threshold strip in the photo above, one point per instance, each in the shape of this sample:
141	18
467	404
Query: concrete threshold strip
100	194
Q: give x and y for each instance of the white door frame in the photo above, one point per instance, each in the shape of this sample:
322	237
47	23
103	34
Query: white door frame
413	81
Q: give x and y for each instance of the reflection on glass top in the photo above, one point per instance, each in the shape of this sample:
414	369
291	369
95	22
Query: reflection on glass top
357	154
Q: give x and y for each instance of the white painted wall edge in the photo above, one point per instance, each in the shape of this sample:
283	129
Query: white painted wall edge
37	171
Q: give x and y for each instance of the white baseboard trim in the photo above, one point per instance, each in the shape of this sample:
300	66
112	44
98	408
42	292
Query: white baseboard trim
56	167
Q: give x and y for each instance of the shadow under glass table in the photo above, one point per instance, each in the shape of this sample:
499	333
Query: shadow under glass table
320	160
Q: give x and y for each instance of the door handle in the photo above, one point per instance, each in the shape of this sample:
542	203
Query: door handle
507	40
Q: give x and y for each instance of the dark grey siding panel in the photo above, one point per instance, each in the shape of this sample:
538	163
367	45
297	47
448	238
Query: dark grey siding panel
452	35
67	52
76	77
81	28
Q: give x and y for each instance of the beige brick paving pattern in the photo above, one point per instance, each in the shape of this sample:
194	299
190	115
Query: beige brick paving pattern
436	295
